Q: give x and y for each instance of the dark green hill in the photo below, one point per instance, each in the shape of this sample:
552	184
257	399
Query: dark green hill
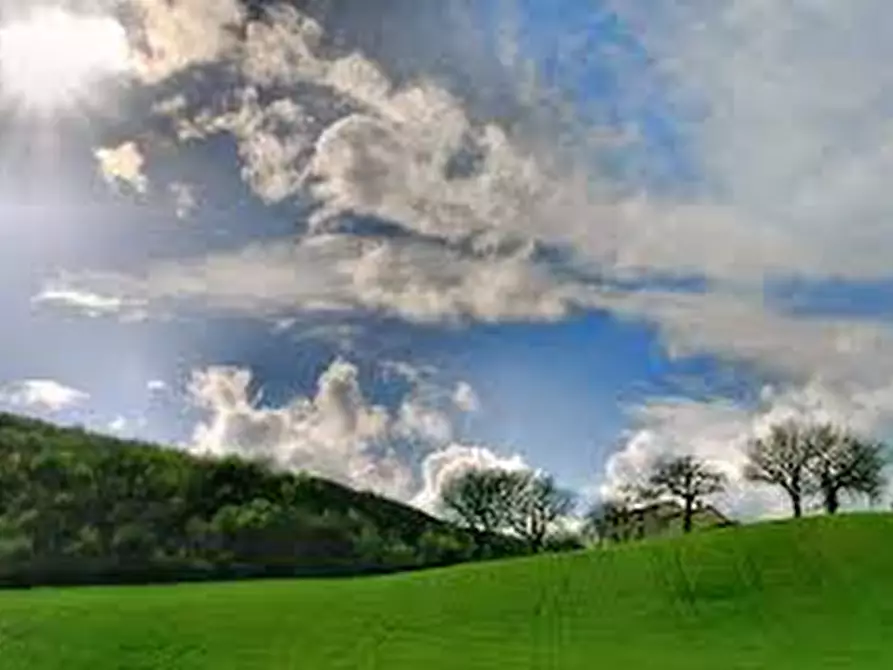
79	507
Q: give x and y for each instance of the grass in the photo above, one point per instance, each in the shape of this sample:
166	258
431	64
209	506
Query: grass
811	594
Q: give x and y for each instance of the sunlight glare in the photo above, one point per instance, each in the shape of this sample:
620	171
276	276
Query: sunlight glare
51	58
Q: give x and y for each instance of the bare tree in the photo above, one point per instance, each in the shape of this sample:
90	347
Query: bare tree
686	480
612	518
493	501
477	499
535	503
609	520
842	462
817	459
781	459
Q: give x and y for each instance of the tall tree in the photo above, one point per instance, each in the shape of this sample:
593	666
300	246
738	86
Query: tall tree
535	503
686	480
843	462
781	459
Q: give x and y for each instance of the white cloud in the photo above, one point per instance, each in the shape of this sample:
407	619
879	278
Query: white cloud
793	125
41	394
362	145
739	328
156	386
465	398
453	461
418	281
123	164
418	420
87	302
338	433
118	425
178	34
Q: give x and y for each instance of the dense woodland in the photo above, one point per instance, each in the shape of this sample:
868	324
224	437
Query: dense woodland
77	507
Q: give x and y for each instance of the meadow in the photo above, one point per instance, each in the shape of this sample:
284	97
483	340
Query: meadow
815	593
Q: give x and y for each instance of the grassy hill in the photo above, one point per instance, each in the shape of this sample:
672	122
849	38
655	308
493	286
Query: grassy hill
817	593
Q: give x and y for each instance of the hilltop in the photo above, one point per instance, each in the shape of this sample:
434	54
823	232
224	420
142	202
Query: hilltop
78	507
814	593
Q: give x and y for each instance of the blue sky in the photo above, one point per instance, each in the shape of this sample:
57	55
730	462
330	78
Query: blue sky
662	242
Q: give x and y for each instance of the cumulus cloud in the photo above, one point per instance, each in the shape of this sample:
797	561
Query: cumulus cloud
412	154
465	398
175	35
123	165
454	461
41	394
337	433
360	144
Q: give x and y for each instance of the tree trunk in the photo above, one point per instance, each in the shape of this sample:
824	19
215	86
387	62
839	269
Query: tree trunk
797	504
832	502
688	513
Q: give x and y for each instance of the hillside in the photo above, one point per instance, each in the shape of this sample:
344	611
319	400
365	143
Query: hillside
811	594
76	507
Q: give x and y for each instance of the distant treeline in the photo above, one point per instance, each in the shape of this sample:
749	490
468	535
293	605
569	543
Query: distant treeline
77	507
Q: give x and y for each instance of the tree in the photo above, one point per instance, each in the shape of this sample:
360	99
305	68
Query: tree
817	459
534	503
611	518
684	479
781	459
842	462
524	503
478	500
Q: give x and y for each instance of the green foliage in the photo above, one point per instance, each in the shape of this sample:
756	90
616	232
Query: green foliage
814	593
77	507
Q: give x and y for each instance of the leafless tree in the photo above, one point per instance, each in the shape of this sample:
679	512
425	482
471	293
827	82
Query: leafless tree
843	462
535	503
781	459
686	480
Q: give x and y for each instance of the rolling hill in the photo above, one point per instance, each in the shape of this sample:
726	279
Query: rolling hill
816	593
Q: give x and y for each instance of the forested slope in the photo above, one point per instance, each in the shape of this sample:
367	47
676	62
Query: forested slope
79	507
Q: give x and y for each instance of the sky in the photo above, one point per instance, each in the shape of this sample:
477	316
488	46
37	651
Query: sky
386	242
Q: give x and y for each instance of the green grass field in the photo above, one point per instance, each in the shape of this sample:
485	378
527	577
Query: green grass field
813	594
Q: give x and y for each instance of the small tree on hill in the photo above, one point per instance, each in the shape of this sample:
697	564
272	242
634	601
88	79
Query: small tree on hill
842	462
685	480
535	503
781	459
